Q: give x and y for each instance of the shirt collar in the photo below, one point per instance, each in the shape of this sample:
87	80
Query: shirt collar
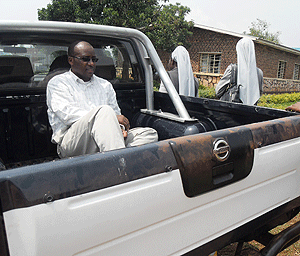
79	80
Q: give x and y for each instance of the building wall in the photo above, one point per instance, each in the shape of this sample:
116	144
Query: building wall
210	41
267	59
276	85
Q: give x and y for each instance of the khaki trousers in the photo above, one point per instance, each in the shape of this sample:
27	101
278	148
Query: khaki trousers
100	131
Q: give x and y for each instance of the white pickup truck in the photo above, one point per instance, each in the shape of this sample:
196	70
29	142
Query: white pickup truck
220	173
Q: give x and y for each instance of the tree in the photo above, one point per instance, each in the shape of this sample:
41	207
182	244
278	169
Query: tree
170	28
165	25
260	28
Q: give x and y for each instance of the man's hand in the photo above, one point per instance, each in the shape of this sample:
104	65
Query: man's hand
123	121
295	107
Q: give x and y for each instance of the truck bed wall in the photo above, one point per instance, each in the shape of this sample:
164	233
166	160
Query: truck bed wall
26	134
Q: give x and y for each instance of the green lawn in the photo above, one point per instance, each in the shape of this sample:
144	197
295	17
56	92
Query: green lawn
278	101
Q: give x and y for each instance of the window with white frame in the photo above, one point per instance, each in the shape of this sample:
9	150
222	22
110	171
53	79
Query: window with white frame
210	62
296	72
281	69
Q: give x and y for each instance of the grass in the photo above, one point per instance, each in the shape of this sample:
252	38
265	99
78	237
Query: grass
278	101
277	106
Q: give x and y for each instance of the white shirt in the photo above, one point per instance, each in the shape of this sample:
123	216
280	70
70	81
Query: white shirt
69	98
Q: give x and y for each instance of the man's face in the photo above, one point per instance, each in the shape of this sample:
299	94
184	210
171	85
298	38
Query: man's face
83	69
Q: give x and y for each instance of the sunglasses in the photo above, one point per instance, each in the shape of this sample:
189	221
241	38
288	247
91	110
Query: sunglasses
86	58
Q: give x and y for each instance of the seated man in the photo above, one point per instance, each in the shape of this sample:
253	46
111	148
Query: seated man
83	111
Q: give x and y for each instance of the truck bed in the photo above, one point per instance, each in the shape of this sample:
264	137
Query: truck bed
180	169
220	172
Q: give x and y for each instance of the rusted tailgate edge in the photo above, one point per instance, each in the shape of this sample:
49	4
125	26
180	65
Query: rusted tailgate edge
274	131
41	183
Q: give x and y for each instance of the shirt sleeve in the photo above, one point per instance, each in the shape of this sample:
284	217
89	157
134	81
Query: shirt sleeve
196	82
112	99
260	80
221	86
61	102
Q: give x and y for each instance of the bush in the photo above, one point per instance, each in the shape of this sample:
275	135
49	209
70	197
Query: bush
206	92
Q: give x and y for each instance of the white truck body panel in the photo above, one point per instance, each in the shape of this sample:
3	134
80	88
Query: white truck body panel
153	216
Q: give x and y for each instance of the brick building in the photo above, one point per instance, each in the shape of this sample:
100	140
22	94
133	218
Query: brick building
212	50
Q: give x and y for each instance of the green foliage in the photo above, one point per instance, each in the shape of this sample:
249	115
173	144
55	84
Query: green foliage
156	85
58	11
169	28
279	101
282	106
259	28
124	13
207	92
164	24
279	98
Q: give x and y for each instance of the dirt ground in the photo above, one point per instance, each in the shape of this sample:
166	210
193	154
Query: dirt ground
252	248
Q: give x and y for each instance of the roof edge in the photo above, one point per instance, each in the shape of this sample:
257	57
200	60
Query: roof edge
254	38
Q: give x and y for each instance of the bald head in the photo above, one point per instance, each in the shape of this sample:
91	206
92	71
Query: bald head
78	53
77	45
